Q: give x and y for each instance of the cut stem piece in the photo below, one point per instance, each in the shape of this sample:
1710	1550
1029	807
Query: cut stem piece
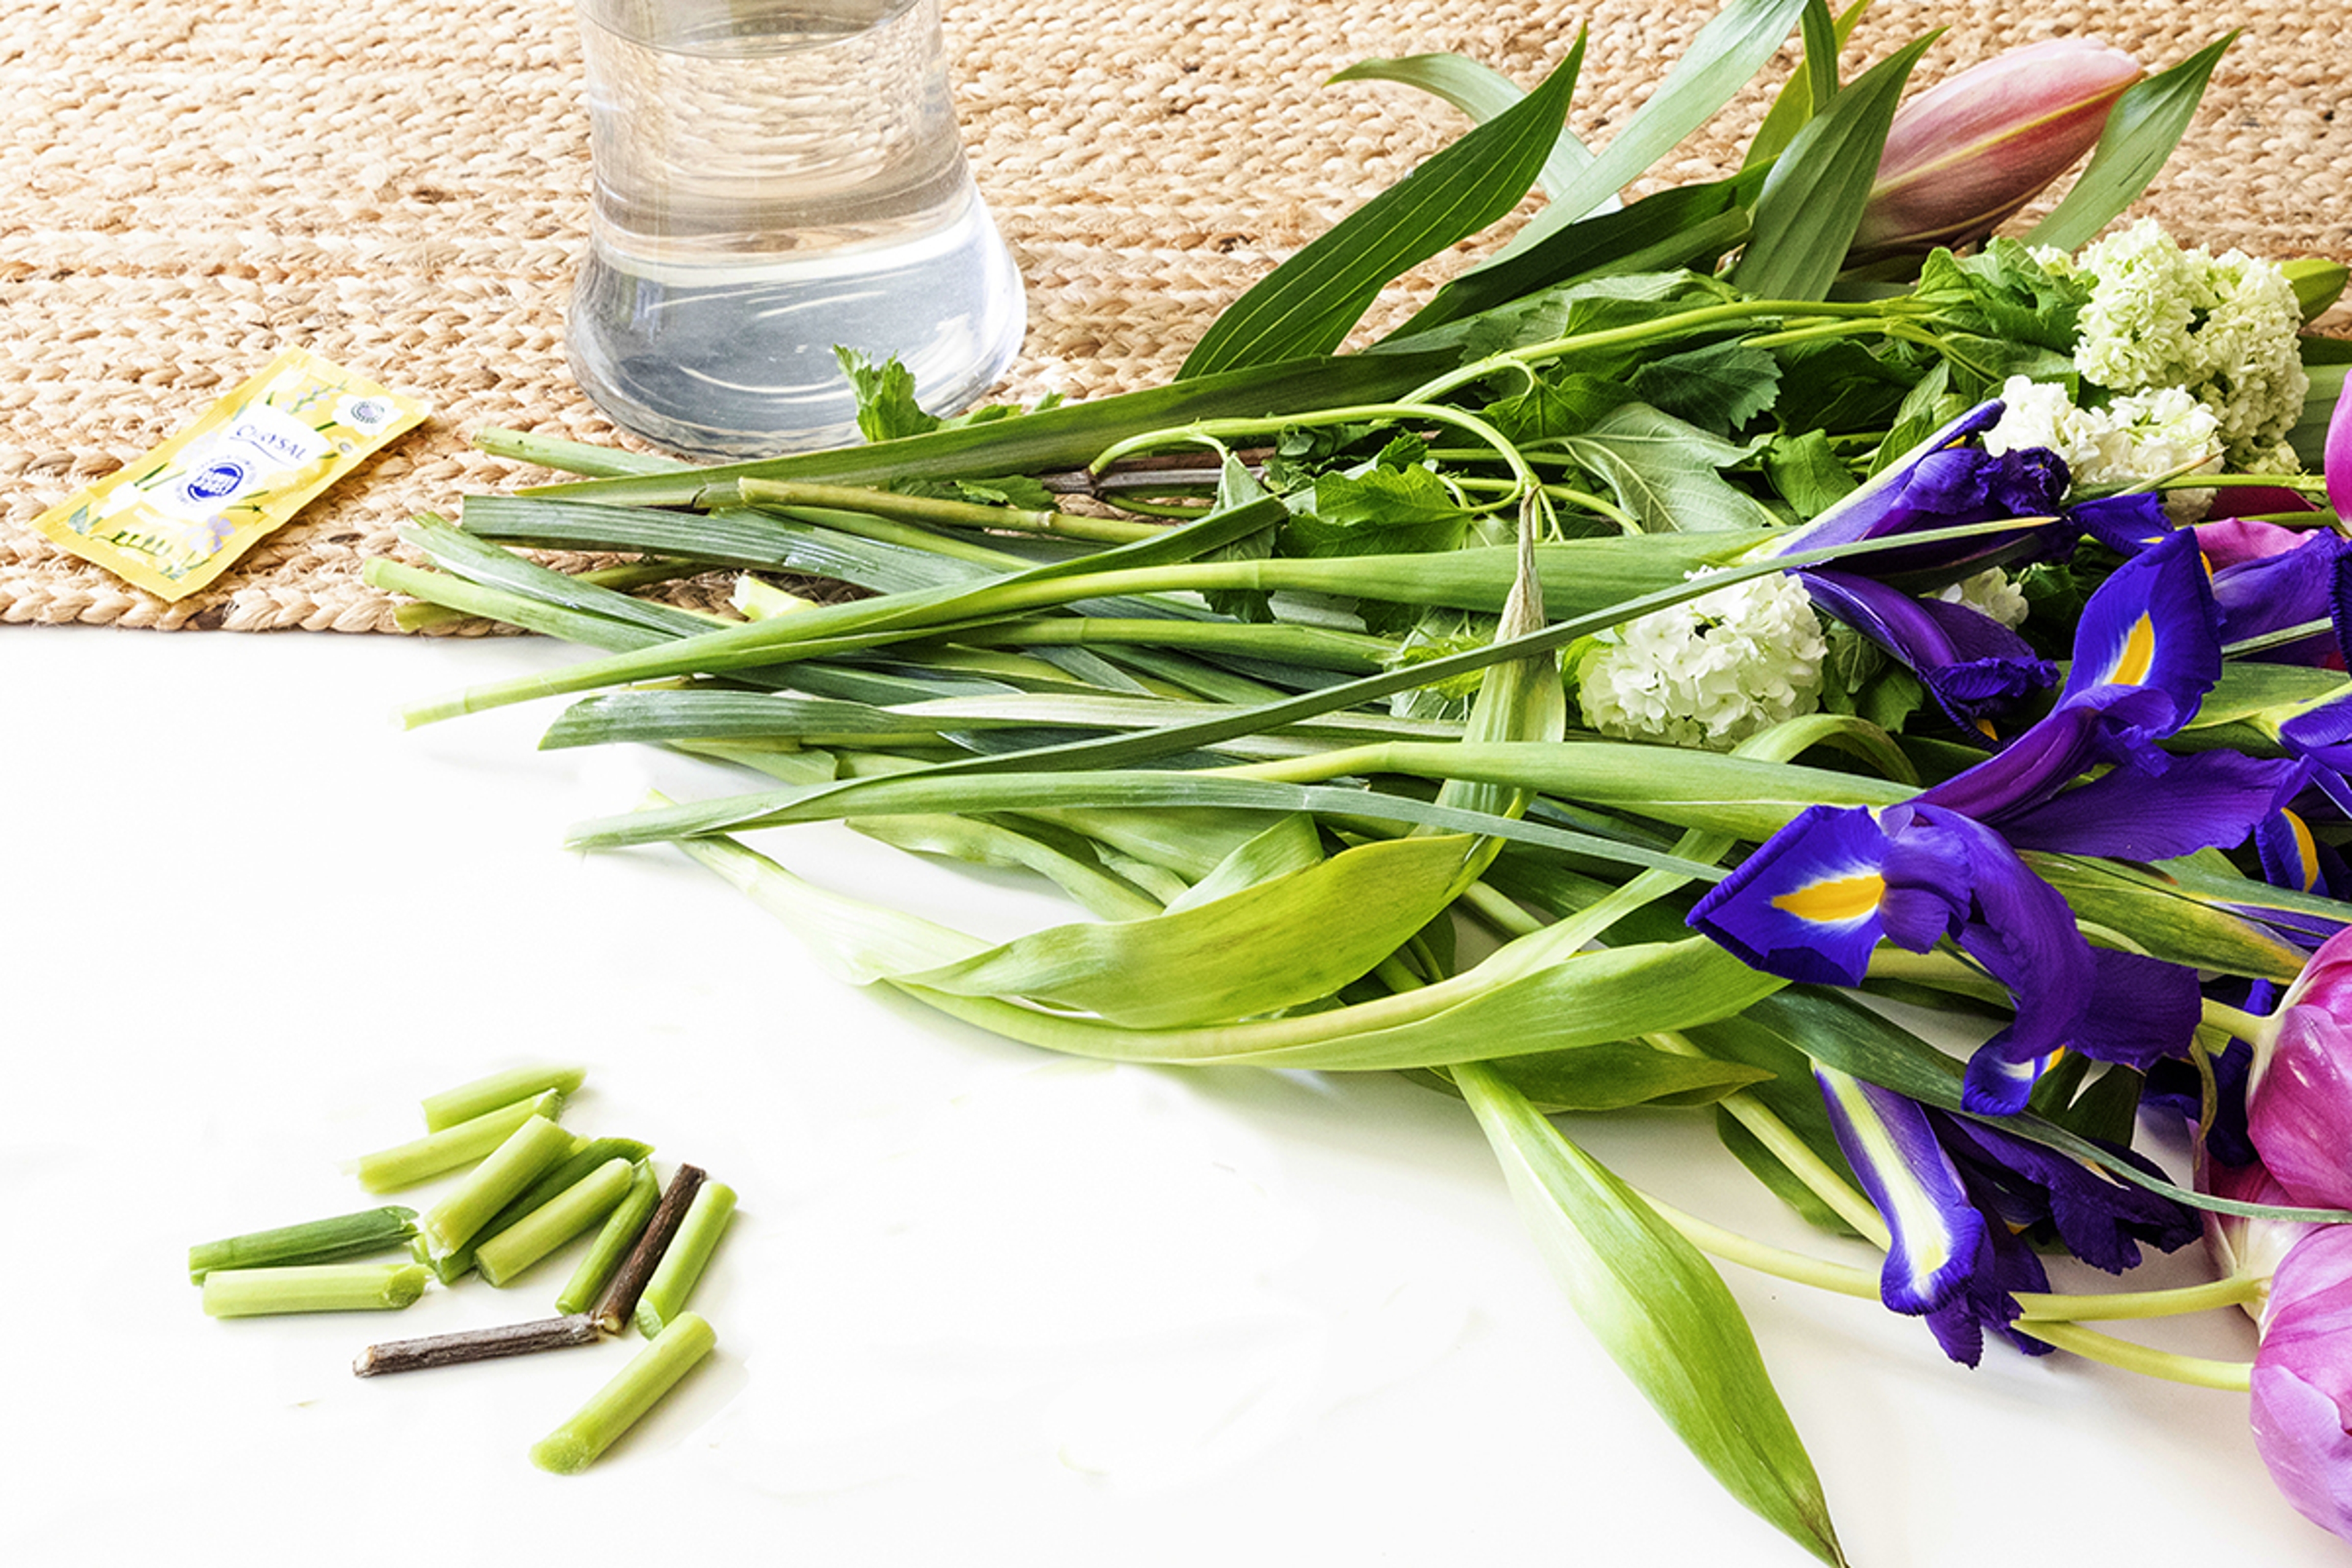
483	1095
313	1287
618	1405
437	1154
620	1298
587	1154
498	1180
621	1228
681	1267
313	1241
475	1344
552	1222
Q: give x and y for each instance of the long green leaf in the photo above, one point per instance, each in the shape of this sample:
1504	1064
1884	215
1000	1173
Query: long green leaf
1306	305
1813	199
1802	96
1659	1310
2143	128
1723	58
1232	957
1482	92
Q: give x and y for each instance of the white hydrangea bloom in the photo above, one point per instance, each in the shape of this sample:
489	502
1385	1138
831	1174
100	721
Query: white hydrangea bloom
1708	673
2223	328
2140	436
1991	592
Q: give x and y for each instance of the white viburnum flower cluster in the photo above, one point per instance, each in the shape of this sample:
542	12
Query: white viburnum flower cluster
2223	327
1708	673
2137	436
1991	592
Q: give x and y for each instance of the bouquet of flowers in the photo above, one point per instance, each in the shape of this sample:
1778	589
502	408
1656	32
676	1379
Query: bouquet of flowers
1707	618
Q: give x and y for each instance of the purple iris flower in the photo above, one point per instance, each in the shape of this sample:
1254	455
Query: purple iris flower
1961	1201
1970	663
2265	578
1945	481
1817	897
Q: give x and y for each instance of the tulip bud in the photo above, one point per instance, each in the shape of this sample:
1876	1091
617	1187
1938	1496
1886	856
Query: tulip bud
1972	150
2335	460
2303	1379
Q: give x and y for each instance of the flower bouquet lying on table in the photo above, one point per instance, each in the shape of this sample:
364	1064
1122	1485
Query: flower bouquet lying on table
1728	607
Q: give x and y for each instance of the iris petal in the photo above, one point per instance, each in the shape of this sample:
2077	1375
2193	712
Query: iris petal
1797	908
1971	664
2205	799
2151	624
1935	1232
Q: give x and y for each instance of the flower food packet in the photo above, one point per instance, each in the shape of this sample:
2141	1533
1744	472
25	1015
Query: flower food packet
177	518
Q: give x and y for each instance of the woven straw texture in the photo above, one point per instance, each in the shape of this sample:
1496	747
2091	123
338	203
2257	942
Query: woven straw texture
186	188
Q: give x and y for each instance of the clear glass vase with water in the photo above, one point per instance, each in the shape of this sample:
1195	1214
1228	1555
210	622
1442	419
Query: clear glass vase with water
775	178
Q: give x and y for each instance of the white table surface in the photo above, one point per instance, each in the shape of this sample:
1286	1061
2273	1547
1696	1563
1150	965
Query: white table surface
980	1305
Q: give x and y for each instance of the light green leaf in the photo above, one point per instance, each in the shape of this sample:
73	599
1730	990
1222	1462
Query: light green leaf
1621	1073
1813	199
1292	843
978	841
2143	128
1482	92
1227	958
1308	305
1659	1310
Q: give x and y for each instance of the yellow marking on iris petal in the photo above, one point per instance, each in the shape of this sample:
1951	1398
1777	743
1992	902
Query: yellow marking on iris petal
1990	732
1834	902
2131	665
2306	853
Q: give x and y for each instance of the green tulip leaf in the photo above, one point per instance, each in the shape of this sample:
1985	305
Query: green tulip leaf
2143	128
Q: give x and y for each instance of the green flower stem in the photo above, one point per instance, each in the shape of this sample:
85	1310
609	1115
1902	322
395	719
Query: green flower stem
620	1404
1666	327
1863	1284
572	457
621	1228
440	1152
554	1223
313	1287
2257	1029
1499	910
1408	411
1568	495
1314	647
2235	1291
497	1091
2233	1376
681	1267
943	513
1819	1176
315	1241
622	579
513	1165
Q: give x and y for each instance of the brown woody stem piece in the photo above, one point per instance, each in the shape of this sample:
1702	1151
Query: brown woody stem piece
620	1298
475	1344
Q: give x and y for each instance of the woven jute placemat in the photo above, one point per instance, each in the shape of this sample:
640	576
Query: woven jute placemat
188	187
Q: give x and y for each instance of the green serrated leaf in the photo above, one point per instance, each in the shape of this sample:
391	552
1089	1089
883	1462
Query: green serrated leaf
1308	305
1659	1310
1665	472
1808	473
886	397
2143	128
1813	200
1718	388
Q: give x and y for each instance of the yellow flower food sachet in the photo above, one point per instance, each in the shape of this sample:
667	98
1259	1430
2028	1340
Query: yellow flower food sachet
175	519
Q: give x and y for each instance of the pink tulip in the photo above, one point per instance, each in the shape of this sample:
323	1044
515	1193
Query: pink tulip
1970	151
2303	1379
2337	456
2299	1092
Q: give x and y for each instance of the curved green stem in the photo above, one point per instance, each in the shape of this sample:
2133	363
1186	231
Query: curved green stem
1409	409
2117	1305
2233	1376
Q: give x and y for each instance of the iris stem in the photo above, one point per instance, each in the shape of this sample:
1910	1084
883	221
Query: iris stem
2116	1306
1792	1151
2235	1376
618	1407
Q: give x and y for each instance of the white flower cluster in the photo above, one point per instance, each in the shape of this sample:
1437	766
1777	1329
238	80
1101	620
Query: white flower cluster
2221	326
2138	436
1990	593
1709	672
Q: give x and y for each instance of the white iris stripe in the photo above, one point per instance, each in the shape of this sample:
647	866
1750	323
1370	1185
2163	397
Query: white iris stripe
1902	1169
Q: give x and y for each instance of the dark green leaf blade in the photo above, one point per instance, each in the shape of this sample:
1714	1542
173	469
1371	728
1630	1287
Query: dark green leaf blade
1306	305
1813	199
2146	122
1660	1311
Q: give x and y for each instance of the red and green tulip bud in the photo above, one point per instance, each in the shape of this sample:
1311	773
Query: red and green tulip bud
1971	151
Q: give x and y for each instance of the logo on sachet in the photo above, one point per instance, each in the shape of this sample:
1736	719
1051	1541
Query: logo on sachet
215	480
